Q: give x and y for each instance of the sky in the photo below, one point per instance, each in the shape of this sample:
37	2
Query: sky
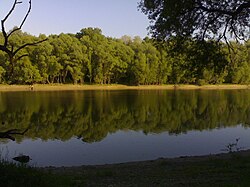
114	17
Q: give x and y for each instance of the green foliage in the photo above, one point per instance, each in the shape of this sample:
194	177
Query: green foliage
25	72
90	57
199	19
2	73
240	64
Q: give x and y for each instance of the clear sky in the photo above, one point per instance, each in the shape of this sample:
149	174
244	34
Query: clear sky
115	17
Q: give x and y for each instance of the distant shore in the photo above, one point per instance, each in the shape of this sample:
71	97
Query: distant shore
65	87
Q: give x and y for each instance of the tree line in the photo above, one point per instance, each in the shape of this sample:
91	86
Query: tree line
58	115
90	57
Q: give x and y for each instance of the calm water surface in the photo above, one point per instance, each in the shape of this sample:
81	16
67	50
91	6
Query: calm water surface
98	127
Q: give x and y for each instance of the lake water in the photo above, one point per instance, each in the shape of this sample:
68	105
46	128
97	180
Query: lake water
74	128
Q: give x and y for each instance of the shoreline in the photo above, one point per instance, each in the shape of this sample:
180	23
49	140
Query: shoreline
181	159
224	169
71	87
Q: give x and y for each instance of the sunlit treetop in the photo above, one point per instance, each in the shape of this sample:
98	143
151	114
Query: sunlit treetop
200	19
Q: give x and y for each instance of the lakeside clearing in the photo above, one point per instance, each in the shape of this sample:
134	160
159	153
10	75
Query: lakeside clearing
68	87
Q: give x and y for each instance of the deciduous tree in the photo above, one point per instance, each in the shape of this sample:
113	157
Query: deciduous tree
201	19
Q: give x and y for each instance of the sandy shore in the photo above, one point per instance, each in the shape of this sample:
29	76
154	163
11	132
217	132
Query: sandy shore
62	87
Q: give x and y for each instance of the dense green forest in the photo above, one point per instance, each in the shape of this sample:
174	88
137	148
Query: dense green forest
90	57
92	115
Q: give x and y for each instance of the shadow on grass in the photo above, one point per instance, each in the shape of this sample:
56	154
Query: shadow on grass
21	175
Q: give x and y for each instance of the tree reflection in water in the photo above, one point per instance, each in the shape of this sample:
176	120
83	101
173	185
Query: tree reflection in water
10	134
92	115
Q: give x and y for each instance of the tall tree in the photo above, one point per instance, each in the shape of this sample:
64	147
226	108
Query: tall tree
201	19
69	53
100	55
239	66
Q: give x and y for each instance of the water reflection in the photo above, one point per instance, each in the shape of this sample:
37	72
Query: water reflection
127	146
92	115
97	127
9	134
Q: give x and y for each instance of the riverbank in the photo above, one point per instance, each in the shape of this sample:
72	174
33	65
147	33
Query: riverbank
68	87
230	169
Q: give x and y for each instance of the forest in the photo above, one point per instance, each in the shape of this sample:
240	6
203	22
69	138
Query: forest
89	57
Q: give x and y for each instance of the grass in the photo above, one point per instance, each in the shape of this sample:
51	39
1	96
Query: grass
13	175
222	170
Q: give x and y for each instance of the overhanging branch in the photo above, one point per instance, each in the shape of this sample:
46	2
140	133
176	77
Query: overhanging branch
23	21
233	12
28	44
11	52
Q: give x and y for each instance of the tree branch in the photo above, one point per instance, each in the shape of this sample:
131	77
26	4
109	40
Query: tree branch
11	52
3	23
23	21
242	7
206	25
9	134
232	13
28	44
